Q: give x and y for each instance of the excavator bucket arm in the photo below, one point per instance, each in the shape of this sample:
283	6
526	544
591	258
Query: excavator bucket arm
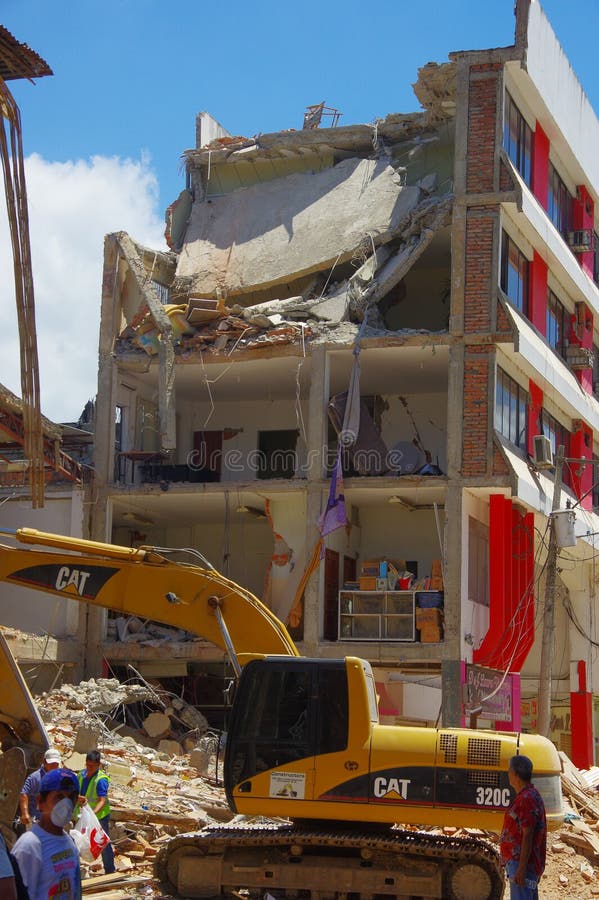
144	582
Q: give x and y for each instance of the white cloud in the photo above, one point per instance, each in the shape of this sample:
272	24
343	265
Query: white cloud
72	206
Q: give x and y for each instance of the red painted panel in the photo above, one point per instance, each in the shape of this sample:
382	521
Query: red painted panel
581	707
524	625
538	293
535	405
540	166
488	648
584	217
511	568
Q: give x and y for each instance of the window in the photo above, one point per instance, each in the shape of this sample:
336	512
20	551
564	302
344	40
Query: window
556	324
517	138
478	562
596	257
510	409
558	435
560	203
276	453
514	274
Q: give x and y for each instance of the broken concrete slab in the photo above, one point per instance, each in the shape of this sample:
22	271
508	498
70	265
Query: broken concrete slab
200	759
298	224
157	725
170	748
86	739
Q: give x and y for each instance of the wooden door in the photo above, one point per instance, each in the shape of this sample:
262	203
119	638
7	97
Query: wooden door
207	459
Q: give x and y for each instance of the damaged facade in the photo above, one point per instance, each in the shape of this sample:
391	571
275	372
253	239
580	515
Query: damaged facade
419	296
46	637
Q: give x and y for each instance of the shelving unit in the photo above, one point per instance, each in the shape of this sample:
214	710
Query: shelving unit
378	615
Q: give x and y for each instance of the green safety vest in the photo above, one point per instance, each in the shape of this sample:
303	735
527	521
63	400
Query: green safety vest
91	793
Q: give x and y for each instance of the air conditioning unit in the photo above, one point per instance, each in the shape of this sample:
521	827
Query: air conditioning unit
543	455
581	240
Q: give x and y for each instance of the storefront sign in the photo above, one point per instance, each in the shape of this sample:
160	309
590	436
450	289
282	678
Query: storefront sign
480	684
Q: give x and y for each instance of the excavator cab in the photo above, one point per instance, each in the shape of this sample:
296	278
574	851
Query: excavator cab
286	710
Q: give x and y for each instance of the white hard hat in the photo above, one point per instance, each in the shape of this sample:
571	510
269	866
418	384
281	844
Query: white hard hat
52	756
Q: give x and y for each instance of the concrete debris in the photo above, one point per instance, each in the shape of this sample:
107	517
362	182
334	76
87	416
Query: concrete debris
102	695
131	629
305	222
292	256
157	725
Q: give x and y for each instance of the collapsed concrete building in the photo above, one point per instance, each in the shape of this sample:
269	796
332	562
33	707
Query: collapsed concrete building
410	304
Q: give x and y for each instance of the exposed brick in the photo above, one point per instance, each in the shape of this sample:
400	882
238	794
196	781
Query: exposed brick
475	411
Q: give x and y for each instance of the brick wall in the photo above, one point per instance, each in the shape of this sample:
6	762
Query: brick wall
476	410
482	115
480	265
480	276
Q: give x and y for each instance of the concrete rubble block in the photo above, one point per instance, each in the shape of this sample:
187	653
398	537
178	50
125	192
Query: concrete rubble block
86	739
120	773
200	759
75	762
292	226
157	725
170	748
135	625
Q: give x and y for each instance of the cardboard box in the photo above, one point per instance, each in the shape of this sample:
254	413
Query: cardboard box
368	583
426	617
373	567
436	575
430	634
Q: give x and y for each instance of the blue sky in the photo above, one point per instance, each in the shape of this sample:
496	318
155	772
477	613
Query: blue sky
130	75
105	134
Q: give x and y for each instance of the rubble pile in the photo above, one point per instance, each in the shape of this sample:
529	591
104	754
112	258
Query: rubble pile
159	786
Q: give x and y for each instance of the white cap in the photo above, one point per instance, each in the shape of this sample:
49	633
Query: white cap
52	756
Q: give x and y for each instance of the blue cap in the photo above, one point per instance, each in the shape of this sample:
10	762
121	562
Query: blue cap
59	780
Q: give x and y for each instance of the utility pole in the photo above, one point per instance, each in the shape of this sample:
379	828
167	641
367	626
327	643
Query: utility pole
544	711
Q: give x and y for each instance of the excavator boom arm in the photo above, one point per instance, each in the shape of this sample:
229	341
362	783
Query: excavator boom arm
142	582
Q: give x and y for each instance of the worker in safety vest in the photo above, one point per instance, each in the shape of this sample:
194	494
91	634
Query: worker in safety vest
93	789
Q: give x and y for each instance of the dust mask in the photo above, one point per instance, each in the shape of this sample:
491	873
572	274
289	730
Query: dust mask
62	812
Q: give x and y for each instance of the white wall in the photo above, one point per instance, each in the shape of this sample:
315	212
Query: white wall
475	616
549	68
34	611
396	533
430	414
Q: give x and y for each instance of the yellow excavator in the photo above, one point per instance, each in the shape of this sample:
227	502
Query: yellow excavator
305	745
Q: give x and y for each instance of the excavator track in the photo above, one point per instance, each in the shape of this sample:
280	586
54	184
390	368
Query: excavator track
288	861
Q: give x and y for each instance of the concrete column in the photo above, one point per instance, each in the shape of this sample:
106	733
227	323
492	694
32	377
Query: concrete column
451	705
316	469
92	622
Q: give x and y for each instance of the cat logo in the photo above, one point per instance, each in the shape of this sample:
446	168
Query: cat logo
391	788
71	581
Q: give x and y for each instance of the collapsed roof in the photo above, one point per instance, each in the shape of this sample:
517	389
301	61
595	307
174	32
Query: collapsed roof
303	233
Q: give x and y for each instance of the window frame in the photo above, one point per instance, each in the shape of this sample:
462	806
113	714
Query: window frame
517	138
558	434
560	202
514	265
511	418
556	324
478	562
